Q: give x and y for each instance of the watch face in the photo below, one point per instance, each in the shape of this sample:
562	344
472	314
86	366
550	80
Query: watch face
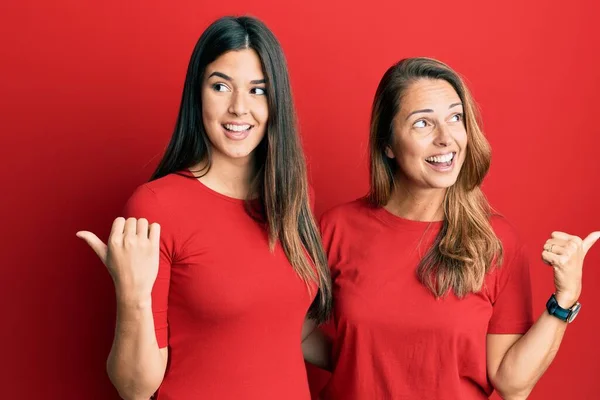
574	312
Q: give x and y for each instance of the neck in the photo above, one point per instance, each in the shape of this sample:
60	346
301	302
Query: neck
415	203
230	177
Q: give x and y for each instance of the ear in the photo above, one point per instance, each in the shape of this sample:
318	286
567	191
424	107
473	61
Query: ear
389	152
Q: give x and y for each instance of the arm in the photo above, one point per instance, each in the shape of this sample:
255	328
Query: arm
516	362
316	347
135	365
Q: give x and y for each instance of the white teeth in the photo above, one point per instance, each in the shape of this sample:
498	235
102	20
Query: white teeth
441	159
237	128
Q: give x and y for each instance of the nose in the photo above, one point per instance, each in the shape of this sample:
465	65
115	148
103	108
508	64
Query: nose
443	137
238	105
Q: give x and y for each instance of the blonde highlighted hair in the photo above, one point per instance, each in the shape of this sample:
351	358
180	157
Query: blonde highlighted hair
466	247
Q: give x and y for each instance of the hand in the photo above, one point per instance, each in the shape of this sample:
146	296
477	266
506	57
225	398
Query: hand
131	256
565	253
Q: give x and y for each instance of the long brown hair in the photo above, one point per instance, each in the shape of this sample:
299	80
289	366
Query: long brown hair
466	247
281	179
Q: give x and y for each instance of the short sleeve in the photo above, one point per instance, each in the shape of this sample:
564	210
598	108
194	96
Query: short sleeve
511	296
326	227
144	204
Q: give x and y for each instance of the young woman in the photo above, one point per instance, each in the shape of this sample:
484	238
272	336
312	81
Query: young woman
219	262
432	295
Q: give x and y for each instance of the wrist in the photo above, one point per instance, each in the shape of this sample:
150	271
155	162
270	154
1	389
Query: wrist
566	299
128	300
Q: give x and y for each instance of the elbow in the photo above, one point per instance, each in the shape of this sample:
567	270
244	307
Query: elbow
125	396
509	389
133	392
514	396
133	388
131	395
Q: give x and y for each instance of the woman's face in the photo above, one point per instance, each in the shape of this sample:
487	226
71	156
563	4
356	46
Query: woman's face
429	139
234	104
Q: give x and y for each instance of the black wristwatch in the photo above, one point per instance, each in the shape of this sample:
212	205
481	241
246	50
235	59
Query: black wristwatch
564	314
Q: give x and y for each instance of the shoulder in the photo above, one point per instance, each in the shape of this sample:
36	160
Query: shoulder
169	185
156	198
344	212
507	233
514	250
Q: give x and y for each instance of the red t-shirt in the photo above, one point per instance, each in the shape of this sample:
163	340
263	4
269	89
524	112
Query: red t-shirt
394	339
230	311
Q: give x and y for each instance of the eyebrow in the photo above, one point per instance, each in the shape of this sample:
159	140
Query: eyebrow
230	79
429	110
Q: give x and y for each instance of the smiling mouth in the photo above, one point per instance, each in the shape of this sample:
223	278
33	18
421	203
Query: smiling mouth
442	160
237	128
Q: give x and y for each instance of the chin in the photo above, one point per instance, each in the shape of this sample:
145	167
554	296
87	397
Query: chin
238	155
443	183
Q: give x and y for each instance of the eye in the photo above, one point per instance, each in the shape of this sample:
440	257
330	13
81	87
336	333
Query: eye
259	91
219	87
456	117
420	123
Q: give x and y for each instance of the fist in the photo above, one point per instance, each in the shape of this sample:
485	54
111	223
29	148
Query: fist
131	255
565	253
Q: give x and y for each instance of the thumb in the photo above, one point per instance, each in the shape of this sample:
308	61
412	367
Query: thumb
96	244
590	240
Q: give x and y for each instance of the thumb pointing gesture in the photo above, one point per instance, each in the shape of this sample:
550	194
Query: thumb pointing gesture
589	241
95	243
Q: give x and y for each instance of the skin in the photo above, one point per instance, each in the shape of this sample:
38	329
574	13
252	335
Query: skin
233	94
429	124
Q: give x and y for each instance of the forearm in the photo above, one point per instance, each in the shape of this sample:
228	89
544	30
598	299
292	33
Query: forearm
527	360
135	365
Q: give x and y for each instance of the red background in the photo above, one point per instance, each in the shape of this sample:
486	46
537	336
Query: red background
90	92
